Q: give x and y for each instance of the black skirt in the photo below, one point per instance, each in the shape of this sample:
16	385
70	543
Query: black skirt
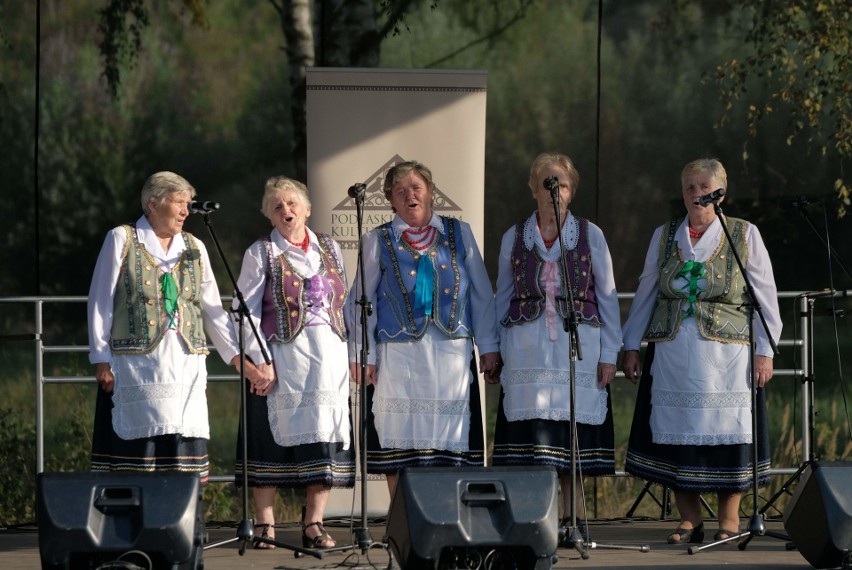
271	465
160	454
694	468
549	442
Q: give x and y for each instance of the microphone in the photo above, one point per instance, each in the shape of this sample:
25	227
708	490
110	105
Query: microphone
199	207
551	183
710	198
356	191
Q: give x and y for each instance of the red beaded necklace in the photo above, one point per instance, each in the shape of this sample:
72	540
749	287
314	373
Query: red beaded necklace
304	243
695	234
420	238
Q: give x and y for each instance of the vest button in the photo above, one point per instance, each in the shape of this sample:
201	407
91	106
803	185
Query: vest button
400	248
147	282
290	299
412	273
718	276
288	273
186	289
147	268
444	266
152	323
447	291
294	314
150	301
417	257
296	283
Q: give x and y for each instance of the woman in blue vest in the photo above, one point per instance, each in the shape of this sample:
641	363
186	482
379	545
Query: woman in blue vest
294	285
692	429
534	420
152	299
432	301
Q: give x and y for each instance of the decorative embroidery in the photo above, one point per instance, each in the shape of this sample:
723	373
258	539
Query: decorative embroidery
418	406
670	399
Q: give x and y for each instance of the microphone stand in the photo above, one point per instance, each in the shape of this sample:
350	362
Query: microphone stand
245	528
363	538
757	524
572	534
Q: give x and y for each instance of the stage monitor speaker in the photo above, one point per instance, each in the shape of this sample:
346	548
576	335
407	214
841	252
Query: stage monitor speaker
818	517
492	518
148	520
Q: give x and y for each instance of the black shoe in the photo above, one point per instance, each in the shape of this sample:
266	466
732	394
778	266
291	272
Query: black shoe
687	535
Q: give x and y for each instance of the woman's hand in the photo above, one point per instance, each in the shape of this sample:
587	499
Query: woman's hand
355	373
105	377
631	365
261	378
762	370
490	365
264	379
606	372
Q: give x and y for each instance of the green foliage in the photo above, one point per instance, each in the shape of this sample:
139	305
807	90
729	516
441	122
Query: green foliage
803	52
17	471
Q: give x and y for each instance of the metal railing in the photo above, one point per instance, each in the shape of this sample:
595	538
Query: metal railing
804	302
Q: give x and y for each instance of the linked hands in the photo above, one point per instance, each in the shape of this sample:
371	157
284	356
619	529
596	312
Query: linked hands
261	377
355	373
490	365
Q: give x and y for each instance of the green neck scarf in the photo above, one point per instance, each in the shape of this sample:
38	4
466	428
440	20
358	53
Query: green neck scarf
692	271
170	297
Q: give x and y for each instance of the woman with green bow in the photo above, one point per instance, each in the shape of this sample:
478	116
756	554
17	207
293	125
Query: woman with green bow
152	298
692	429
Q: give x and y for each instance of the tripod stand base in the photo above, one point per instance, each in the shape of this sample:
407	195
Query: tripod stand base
756	527
245	533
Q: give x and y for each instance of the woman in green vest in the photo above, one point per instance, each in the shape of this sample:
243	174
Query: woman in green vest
152	299
692	428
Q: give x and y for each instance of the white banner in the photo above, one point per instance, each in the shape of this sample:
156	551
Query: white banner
363	121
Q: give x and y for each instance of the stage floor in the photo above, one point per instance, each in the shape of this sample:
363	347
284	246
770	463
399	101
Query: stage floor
19	550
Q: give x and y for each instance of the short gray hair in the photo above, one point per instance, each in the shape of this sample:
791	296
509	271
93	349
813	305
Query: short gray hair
711	165
278	184
161	185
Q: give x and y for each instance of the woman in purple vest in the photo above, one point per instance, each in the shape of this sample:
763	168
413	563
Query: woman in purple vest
294	285
433	300
692	427
533	421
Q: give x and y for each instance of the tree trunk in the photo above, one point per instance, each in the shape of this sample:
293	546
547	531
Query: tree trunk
296	24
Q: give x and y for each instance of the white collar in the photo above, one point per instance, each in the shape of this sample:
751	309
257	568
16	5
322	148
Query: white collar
532	236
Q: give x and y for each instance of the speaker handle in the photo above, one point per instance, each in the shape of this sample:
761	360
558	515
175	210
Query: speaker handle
112	499
483	493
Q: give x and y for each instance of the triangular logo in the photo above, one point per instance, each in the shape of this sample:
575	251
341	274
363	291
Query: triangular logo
374	197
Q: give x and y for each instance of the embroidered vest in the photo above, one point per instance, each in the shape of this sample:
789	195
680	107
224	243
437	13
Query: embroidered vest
398	319
285	297
717	307
139	316
528	301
